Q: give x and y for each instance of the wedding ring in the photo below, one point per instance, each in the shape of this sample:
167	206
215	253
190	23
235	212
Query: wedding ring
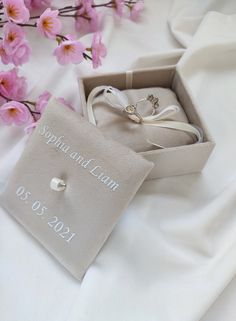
131	110
57	184
154	101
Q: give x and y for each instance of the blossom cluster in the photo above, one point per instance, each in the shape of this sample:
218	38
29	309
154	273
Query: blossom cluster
17	17
15	49
15	109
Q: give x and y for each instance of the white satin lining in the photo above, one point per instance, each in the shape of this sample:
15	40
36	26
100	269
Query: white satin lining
118	100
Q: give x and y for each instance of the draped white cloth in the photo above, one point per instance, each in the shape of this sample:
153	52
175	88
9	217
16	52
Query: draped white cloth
172	255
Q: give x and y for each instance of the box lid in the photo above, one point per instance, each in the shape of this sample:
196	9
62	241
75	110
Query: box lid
101	177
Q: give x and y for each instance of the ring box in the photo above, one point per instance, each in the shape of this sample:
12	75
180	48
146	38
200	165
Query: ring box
168	161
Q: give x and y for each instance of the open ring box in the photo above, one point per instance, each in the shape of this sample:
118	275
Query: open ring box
168	161
72	183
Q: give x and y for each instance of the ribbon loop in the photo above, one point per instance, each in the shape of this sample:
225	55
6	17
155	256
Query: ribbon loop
166	113
116	98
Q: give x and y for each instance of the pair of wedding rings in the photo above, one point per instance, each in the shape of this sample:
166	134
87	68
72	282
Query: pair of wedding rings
132	112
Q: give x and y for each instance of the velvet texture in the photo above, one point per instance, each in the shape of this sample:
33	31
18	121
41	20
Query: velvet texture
101	178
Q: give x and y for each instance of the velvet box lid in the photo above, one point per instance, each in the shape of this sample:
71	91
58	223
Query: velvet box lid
71	185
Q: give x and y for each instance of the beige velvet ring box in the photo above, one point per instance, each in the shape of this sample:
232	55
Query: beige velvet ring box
168	161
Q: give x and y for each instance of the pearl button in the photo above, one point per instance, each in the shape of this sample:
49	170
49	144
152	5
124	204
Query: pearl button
57	184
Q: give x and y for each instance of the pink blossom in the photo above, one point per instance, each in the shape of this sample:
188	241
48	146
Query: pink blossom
14	112
98	50
87	17
14	35
21	55
37	4
12	85
3	55
16	11
48	24
30	128
69	51
14	48
42	101
64	102
41	104
28	4
119	7
135	10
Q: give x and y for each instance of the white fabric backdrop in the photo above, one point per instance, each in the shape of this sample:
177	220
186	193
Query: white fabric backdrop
173	254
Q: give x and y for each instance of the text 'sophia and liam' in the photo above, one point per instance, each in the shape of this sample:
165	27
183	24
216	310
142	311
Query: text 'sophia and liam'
90	164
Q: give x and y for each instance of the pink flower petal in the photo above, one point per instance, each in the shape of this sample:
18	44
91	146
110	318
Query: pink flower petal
136	9
37	4
14	112
98	50
12	85
42	101
92	22
14	35
48	24
16	11
30	128
69	51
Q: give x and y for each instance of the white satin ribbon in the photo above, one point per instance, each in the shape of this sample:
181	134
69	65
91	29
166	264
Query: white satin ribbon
119	101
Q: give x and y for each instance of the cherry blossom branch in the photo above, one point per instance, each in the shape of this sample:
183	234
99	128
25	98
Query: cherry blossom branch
110	4
15	108
15	19
26	103
34	25
21	101
86	56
